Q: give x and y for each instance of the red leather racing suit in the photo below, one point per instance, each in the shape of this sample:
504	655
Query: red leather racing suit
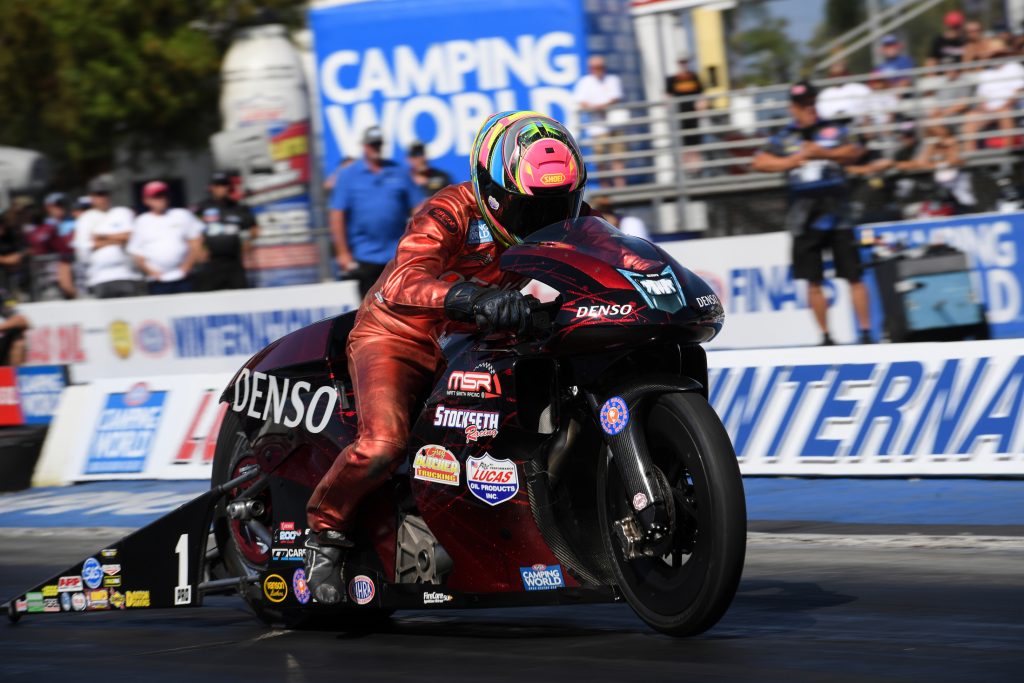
393	351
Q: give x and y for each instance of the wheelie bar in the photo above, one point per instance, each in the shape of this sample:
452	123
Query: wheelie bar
629	452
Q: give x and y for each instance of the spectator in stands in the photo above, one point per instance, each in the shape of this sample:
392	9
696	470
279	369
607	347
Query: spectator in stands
228	230
428	178
49	243
165	242
845	101
100	235
881	105
944	94
686	83
976	46
948	46
895	60
81	205
370	204
596	94
629	225
12	331
12	243
812	154
999	88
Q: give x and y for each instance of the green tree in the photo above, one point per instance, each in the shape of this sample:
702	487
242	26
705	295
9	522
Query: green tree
839	17
81	78
762	50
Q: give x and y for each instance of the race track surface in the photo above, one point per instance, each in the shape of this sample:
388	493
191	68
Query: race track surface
887	607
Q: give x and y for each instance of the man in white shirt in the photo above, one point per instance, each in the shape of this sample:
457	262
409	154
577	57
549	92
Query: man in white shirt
845	101
165	242
100	235
595	93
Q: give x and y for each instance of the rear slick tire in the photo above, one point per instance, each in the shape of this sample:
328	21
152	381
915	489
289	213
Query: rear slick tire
686	591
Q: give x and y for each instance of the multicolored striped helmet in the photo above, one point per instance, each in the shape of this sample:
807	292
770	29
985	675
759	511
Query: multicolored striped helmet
527	173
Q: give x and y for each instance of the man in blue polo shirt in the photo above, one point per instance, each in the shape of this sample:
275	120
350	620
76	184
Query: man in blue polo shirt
370	204
812	154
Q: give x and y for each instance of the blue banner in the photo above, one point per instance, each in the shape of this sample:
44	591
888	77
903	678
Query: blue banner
993	243
434	71
125	431
39	389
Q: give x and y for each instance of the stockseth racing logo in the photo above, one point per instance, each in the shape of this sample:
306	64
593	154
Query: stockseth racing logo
477	423
541	577
262	397
481	382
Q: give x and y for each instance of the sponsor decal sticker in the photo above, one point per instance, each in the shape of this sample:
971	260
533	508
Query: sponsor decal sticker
480	382
99	599
108	553
111	569
542	577
492	202
640	501
706	301
479	233
478	424
604	311
553	178
92	573
492	481
136	599
35	602
436	464
284	402
182	595
434	598
111	581
69	584
21	605
65	602
287	534
51	605
275	588
116	600
444	218
300	587
78	602
289	554
614	415
361	589
49	591
660	290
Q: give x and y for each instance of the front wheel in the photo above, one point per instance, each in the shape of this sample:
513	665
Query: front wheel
688	589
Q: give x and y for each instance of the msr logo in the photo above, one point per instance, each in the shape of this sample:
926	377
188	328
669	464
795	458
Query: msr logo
480	382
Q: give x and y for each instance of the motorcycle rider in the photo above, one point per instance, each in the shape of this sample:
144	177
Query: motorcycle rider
527	172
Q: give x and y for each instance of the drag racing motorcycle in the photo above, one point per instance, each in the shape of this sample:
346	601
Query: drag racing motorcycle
579	463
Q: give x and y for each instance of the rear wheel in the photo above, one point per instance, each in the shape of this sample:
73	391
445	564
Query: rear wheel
688	589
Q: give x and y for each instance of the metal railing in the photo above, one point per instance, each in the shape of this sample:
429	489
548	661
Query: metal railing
658	167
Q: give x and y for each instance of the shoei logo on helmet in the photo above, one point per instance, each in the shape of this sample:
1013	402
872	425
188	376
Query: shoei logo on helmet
361	589
275	588
553	178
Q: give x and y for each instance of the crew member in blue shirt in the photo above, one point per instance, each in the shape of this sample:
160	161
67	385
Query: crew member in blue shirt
812	154
371	202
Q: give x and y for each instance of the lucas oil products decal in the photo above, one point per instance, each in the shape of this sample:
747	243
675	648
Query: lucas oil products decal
436	464
492	481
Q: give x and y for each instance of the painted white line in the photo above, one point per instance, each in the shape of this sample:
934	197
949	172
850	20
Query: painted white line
896	542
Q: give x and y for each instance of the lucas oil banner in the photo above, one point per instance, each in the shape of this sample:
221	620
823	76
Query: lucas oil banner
433	70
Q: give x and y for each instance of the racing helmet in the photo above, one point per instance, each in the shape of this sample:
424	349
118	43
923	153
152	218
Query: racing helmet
527	173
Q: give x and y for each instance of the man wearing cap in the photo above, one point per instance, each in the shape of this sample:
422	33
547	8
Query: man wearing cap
100	235
948	46
895	60
165	242
429	179
228	231
812	154
371	202
49	243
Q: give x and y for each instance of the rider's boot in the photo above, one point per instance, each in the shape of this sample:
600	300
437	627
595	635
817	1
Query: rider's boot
325	565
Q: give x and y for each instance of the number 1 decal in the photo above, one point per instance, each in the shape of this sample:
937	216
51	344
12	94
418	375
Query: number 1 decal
183	591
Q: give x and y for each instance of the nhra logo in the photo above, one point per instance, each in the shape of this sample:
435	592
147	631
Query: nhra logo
481	382
361	590
541	577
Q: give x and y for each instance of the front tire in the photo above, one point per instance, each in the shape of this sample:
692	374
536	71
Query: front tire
686	591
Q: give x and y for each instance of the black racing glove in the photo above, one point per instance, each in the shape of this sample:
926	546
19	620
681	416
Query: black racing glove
491	309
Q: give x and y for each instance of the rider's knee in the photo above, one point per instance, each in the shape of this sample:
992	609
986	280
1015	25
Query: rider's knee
379	456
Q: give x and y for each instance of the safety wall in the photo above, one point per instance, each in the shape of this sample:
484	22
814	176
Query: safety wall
888	410
156	428
182	333
994	244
